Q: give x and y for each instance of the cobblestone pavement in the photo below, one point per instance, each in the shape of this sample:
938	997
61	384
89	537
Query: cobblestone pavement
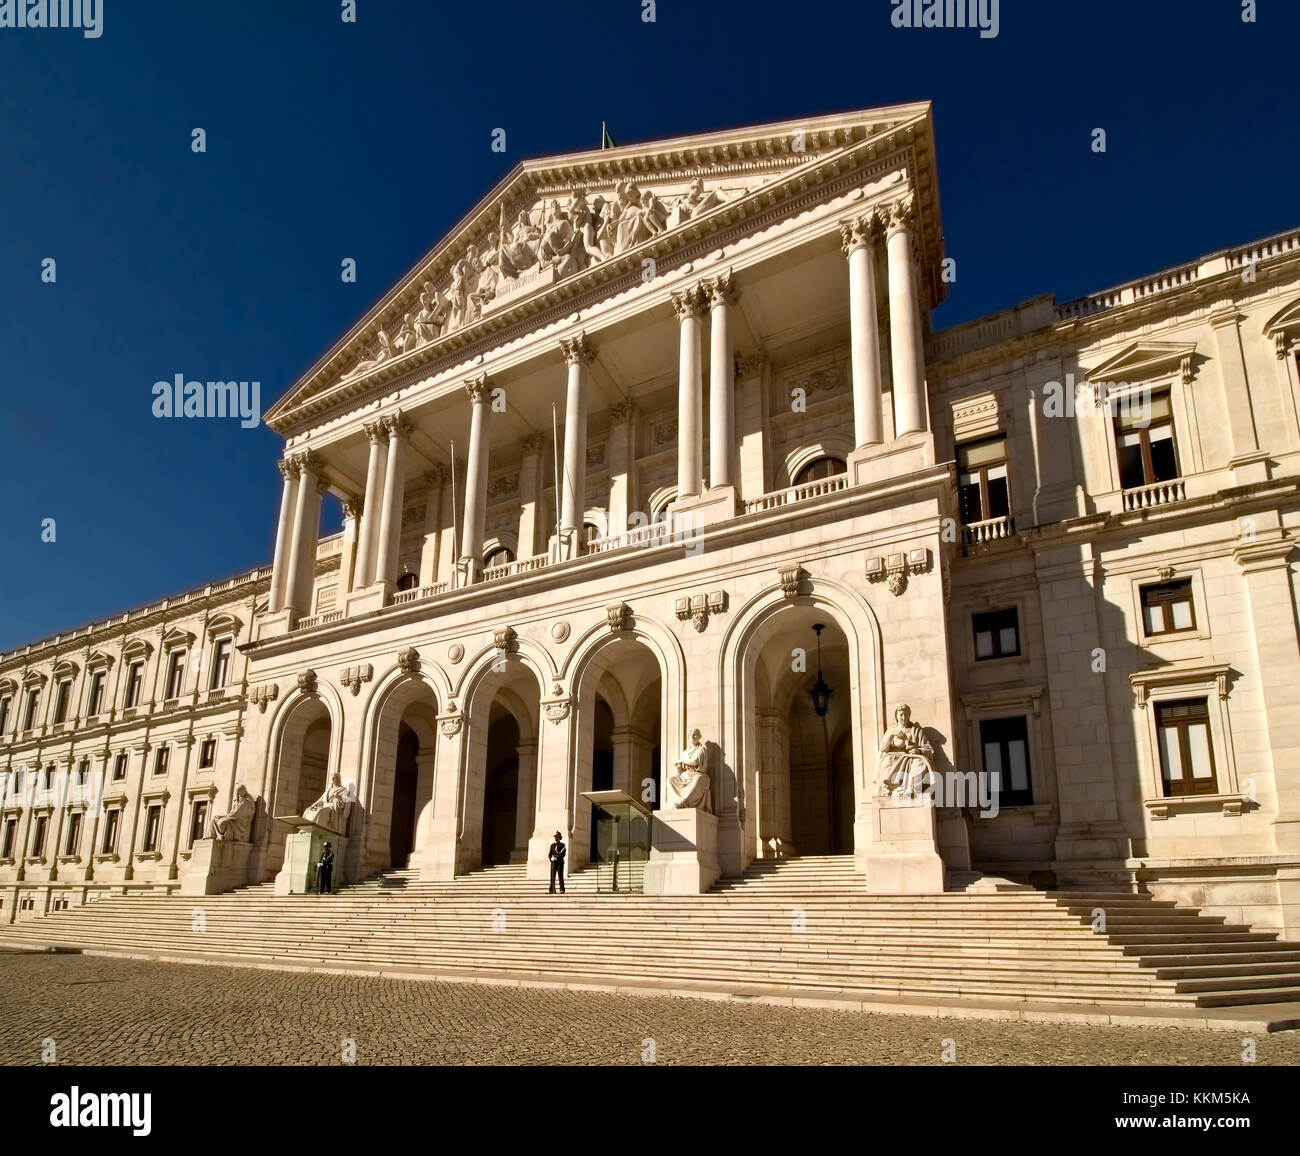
106	1011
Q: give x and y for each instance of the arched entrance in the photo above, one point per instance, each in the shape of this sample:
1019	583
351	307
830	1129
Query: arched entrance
501	754
302	763
399	792
620	731
801	767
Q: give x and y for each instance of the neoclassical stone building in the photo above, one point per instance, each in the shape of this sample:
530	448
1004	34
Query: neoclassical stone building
662	437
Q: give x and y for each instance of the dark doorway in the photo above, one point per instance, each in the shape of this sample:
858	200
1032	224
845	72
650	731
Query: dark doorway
501	791
401	834
602	760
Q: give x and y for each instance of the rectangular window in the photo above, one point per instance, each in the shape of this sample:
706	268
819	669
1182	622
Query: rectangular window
161	759
1144	442
49	777
1186	752
11	829
199	821
153	820
221	664
74	834
95	701
83	773
175	674
18	781
982	481
134	681
111	820
208	754
61	696
1168	607
119	766
33	704
1005	743
997	634
4	712
38	836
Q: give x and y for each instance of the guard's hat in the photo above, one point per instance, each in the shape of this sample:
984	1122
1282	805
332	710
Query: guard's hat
558	835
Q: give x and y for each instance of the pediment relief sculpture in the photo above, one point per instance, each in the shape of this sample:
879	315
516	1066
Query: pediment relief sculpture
553	239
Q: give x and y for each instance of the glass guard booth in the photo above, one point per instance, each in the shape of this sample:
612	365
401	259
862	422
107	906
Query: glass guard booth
622	841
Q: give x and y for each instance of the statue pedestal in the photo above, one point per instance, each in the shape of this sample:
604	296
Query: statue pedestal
301	851
903	857
683	852
216	865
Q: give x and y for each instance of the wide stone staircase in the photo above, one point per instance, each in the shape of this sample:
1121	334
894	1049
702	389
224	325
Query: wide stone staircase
804	926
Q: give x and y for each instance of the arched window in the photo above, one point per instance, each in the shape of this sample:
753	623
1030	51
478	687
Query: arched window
590	533
498	557
407	581
820	468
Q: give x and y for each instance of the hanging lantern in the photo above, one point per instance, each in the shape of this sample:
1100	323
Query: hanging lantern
821	691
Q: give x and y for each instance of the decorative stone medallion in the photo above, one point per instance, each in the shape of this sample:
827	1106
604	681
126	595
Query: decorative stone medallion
455	652
560	631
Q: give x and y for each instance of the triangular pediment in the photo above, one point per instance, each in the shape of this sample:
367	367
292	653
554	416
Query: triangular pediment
557	224
1144	360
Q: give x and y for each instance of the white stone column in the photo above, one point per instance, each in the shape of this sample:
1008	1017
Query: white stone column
306	522
859	239
622	463
573	485
530	493
351	534
690	304
722	382
476	479
390	517
905	336
284	535
372	503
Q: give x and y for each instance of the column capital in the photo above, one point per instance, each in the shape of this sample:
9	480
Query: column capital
477	388
902	215
398	425
751	363
721	289
376	431
576	350
353	506
440	475
531	443
622	411
288	468
863	231
690	302
309	462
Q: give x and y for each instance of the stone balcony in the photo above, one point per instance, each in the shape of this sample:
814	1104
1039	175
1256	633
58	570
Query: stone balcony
1156	494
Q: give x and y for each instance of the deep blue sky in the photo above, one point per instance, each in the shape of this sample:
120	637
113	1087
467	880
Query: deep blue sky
328	140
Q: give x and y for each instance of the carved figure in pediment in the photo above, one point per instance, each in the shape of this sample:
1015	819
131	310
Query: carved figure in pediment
607	233
586	244
632	227
431	315
653	212
489	278
519	249
557	239
383	350
464	286
694	202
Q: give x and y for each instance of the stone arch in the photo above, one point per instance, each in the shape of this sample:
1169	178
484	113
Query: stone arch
741	683
408	699
829	446
302	715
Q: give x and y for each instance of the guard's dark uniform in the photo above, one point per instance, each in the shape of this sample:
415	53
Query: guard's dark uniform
557	854
325	872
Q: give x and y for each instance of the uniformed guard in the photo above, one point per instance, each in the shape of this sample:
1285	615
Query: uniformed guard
325	871
556	856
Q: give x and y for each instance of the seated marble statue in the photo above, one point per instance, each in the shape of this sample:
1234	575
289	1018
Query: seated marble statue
331	809
906	769
235	826
690	782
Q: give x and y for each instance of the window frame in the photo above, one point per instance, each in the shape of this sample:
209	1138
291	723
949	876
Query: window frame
1167	604
112	831
207	746
981	472
1008	797
221	662
152	833
72	843
1120	400
1187	779
162	758
95	692
134	684
174	677
198	820
30	719
800	480
62	700
995	633
121	760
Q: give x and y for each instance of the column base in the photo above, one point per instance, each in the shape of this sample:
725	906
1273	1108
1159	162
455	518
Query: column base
692	513
903	858
367	601
887	461
1249	468
277	624
683	852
